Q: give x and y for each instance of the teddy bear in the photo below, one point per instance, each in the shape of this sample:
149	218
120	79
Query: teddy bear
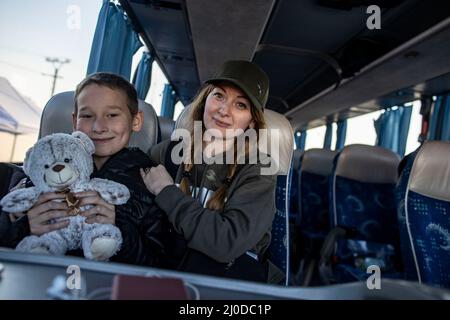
63	163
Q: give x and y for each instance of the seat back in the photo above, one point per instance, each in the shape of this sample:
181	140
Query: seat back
362	196
317	166
362	201
165	128
57	117
279	247
427	215
294	196
410	272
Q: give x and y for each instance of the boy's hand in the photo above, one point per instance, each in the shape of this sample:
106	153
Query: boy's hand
156	179
41	216
101	212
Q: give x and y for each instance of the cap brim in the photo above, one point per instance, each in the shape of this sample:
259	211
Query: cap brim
254	101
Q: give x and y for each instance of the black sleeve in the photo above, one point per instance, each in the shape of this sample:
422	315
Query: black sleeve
11	233
141	234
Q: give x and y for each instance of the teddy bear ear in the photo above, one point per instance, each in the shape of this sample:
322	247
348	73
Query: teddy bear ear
26	162
85	141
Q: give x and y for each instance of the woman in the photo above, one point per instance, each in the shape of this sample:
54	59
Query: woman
221	213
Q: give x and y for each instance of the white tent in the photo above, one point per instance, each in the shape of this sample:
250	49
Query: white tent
25	114
18	115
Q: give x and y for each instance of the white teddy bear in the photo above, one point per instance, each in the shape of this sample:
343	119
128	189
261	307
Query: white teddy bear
63	163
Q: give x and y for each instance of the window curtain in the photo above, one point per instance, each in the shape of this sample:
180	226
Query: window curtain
114	43
328	136
143	75
341	134
392	129
168	102
300	140
440	119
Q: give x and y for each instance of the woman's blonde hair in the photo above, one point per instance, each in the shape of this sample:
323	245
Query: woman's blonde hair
217	201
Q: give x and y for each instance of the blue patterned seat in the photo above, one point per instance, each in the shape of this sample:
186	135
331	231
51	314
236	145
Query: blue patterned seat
427	213
410	272
278	251
362	202
317	165
294	200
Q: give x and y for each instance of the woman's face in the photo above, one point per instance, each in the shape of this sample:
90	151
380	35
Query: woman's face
227	107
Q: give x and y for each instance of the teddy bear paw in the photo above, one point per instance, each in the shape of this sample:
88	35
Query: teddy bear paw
40	250
103	248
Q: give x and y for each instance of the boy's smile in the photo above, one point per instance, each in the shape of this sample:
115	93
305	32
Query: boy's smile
104	116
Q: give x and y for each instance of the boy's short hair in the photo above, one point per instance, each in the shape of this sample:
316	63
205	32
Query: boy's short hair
112	81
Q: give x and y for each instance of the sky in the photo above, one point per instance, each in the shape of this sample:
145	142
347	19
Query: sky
31	31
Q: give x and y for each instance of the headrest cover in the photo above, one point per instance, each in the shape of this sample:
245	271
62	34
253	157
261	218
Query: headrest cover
57	117
369	164
277	124
166	126
430	174
318	161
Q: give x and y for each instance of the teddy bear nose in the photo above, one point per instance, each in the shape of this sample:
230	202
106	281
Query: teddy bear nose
58	168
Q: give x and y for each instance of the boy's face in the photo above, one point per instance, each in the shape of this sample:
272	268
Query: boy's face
104	116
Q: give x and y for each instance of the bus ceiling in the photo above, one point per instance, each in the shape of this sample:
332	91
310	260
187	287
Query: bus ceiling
322	59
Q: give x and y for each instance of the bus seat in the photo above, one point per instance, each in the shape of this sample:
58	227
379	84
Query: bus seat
316	169
165	128
427	215
294	207
410	272
279	250
294	196
362	209
57	117
317	166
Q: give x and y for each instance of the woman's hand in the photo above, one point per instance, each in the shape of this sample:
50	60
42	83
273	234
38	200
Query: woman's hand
41	216
101	212
156	179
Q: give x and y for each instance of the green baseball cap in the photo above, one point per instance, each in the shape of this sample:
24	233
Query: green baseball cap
247	76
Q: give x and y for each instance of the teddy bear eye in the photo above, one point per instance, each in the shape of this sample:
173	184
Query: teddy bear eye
46	166
66	160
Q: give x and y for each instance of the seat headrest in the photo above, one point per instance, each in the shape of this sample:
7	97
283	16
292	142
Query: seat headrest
166	126
57	117
273	120
366	163
430	174
318	161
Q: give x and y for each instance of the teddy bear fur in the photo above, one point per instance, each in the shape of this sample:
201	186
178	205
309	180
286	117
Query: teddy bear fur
57	162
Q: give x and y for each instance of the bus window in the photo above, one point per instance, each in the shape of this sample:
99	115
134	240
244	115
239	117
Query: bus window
361	129
414	128
315	138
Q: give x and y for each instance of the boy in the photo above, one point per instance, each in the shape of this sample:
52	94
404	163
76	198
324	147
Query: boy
106	109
